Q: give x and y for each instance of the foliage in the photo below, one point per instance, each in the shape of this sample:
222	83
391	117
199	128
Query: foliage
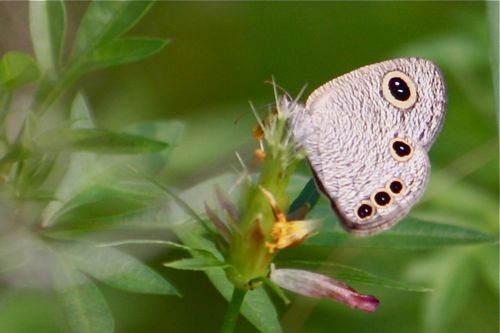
77	198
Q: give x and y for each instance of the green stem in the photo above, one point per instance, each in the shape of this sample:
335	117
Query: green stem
233	311
6	99
63	83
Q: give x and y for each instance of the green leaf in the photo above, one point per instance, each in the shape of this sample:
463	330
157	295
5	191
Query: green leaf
309	196
454	282
97	141
17	304
257	307
36	172
164	215
165	131
48	27
201	252
488	259
351	274
84	306
411	233
17	69
104	21
115	268
81	168
121	51
100	201
196	264
275	288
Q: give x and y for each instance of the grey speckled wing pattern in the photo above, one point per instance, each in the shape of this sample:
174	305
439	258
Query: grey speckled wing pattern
366	135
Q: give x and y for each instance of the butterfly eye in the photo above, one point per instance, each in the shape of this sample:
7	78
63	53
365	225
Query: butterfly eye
395	186
381	198
399	90
400	149
365	210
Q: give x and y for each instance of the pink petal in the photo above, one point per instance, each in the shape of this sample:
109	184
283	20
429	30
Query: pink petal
321	286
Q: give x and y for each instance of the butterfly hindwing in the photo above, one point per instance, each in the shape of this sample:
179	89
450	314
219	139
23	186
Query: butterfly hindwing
366	136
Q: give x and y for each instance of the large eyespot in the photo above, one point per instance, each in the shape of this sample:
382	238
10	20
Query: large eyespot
399	90
381	198
395	186
400	149
365	210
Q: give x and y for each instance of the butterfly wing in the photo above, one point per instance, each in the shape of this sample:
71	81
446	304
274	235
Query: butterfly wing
366	136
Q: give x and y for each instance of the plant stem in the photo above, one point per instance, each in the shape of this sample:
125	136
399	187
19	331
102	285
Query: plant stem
233	311
5	99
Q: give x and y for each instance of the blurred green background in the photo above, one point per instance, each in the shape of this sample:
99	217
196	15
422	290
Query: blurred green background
220	56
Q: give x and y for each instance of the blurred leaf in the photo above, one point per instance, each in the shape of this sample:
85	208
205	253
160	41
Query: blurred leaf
493	10
17	69
48	28
411	233
100	201
121	51
257	307
453	283
84	306
115	268
166	214
164	131
488	259
17	305
201	252
351	274
104	21
196	264
35	173
81	166
97	141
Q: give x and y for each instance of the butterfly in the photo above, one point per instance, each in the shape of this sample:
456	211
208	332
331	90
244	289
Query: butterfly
366	136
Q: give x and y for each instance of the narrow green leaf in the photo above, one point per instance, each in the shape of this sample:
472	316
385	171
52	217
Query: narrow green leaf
97	141
488	259
104	21
97	202
275	288
409	234
84	306
257	307
308	196
82	167
37	170
196	264
48	28
17	69
115	268
351	274
201	252
165	131
454	282
164	215
121	51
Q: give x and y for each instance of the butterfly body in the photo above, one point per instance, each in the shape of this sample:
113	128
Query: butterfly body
366	135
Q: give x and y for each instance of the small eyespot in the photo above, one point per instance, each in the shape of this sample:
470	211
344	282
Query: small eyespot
381	198
399	90
365	210
400	149
395	186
